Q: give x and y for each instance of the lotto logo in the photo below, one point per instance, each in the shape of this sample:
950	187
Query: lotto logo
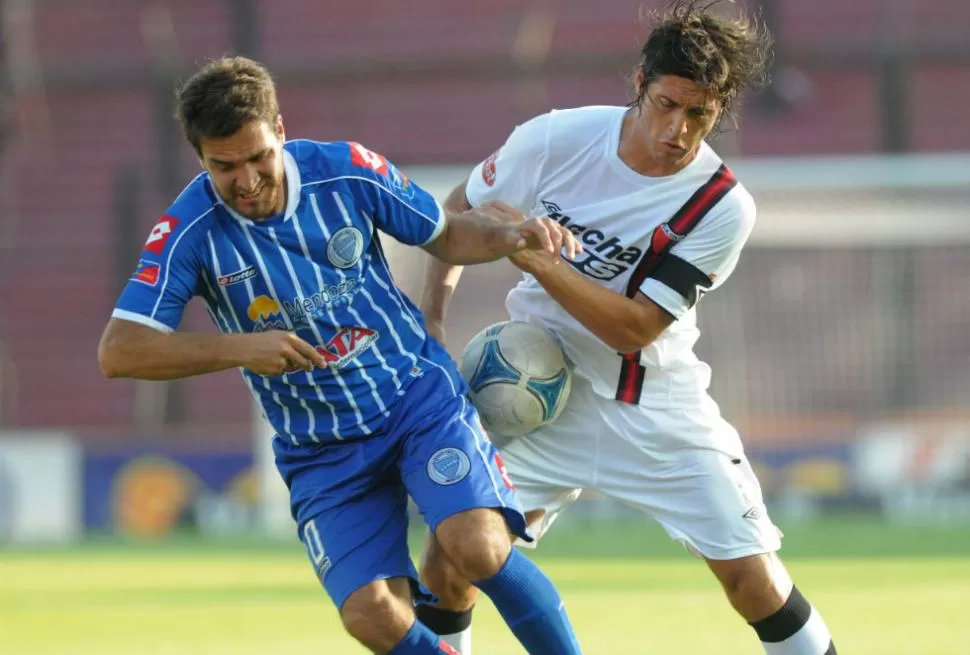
160	233
361	156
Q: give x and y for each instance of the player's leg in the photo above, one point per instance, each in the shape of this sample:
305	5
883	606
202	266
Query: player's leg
547	468
451	616
705	495
454	474
351	511
761	591
379	616
753	577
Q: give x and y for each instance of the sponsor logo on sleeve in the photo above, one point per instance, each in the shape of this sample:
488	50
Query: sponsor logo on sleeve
488	169
147	273
361	156
160	234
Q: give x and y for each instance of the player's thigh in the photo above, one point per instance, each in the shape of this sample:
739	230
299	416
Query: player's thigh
708	499
447	463
552	465
351	514
547	477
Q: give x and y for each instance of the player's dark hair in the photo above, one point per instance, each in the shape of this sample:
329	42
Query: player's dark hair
725	54
224	95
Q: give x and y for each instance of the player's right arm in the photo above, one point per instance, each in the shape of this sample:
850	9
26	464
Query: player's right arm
509	175
140	341
131	350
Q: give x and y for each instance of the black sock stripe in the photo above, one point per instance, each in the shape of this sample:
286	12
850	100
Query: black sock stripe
442	621
781	625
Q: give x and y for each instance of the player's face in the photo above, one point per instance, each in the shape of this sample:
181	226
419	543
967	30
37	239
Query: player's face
674	118
247	169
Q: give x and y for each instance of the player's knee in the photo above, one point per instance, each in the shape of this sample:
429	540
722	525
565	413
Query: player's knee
438	574
477	543
375	616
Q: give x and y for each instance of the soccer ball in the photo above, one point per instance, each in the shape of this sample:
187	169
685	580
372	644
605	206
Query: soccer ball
518	377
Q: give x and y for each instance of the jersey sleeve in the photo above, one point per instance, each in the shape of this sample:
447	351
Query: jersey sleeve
705	258
396	204
511	173
166	277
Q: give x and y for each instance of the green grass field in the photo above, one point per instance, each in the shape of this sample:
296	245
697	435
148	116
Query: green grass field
884	590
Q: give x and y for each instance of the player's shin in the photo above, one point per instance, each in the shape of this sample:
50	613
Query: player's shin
531	607
454	628
422	641
796	629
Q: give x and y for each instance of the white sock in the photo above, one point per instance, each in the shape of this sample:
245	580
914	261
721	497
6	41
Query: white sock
460	641
795	629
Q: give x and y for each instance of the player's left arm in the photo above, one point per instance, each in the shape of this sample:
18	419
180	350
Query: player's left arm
705	256
411	215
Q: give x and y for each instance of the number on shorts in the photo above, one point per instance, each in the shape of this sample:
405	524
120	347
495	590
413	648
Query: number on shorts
314	547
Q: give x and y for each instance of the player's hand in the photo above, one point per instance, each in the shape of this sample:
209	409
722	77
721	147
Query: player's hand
547	240
541	234
276	352
546	234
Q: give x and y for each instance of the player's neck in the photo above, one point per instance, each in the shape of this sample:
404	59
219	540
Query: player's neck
284	195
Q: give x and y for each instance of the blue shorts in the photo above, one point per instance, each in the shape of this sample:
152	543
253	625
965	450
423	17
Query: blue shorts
349	499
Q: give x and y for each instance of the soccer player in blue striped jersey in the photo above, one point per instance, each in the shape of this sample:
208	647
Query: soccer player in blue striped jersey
281	242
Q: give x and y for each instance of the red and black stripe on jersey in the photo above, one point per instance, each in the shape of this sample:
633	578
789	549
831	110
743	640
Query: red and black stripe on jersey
671	270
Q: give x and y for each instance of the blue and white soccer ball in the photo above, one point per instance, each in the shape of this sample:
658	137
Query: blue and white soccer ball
518	376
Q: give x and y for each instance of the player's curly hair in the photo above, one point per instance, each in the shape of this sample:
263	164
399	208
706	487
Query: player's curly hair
224	95
726	54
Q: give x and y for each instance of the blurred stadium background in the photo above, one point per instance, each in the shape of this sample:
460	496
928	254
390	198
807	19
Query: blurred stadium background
145	517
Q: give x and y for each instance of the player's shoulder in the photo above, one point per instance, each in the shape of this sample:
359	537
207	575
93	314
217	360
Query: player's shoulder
736	205
320	161
351	163
596	117
569	125
577	129
186	221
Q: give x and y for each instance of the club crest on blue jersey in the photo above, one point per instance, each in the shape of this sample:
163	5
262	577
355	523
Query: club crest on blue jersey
448	466
345	247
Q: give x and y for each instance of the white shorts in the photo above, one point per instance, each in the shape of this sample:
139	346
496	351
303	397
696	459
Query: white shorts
684	468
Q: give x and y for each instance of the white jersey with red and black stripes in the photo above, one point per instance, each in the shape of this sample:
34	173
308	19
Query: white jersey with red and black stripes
671	238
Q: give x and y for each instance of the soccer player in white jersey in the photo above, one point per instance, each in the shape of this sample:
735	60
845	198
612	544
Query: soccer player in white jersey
281	240
662	221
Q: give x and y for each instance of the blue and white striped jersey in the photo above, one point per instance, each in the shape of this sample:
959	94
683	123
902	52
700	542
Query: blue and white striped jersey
317	269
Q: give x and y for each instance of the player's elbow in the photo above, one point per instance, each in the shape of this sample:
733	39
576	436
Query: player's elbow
110	358
115	353
628	343
640	330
